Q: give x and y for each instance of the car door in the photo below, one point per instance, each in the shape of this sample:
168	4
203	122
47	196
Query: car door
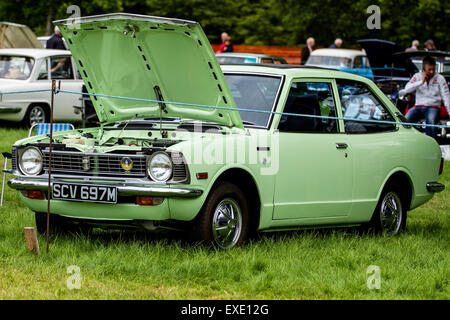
374	145
315	176
62	70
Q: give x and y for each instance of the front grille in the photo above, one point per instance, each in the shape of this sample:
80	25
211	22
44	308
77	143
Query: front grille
71	163
14	158
111	165
108	165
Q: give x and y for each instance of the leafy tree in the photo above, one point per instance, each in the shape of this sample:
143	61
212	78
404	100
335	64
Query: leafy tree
263	22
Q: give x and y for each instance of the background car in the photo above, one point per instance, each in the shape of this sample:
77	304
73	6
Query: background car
352	61
238	58
33	69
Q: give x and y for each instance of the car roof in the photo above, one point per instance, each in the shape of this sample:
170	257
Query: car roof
346	53
35	53
292	71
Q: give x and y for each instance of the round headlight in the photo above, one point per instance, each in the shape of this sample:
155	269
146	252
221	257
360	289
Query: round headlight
31	161
159	167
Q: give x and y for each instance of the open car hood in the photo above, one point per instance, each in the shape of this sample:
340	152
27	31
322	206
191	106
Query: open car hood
149	58
384	62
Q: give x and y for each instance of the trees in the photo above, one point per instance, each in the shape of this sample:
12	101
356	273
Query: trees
269	22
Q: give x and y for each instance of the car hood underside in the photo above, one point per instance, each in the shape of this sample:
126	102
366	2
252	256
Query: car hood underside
149	58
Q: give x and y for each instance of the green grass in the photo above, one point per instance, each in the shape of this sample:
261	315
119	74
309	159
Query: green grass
327	264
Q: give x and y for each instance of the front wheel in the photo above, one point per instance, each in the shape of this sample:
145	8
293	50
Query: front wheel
390	214
224	219
36	114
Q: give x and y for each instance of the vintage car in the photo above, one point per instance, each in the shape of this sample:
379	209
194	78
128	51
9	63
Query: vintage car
180	155
347	60
34	69
239	58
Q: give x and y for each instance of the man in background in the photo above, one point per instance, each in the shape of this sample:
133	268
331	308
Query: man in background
306	51
56	41
337	44
429	45
431	90
414	46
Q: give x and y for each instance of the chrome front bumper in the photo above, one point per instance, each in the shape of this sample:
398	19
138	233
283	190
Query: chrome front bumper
122	190
435	187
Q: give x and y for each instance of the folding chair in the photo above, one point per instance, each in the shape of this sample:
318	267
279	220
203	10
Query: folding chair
41	128
44	128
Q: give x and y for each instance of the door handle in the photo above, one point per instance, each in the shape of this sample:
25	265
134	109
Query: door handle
341	146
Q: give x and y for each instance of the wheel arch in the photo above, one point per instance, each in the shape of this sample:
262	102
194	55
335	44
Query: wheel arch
402	177
243	179
40	103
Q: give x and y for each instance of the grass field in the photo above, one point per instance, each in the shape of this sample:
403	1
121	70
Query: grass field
329	264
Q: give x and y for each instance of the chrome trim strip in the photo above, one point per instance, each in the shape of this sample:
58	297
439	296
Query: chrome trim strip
435	187
18	184
10	109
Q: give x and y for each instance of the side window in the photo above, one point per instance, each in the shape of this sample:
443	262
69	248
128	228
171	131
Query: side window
43	71
359	103
61	68
309	98
357	63
366	63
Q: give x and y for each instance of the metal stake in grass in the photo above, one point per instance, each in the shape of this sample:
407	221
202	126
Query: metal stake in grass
50	160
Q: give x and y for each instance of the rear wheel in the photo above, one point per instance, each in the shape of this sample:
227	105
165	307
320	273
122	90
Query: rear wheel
390	214
224	219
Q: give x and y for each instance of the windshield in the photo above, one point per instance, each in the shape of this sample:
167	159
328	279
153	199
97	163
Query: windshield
14	67
339	62
256	92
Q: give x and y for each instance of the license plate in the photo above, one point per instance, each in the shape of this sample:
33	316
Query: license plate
80	192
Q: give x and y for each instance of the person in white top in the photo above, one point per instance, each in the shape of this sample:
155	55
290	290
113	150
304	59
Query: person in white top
431	91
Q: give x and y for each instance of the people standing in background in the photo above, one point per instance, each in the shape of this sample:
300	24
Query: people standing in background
306	51
223	37
429	45
56	41
228	45
337	44
414	46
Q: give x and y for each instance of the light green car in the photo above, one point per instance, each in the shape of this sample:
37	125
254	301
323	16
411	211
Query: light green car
189	160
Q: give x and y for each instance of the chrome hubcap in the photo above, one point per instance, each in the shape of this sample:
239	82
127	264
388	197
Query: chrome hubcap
227	223
37	115
391	213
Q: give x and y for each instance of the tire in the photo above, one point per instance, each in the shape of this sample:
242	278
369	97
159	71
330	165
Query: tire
390	214
224	219
36	114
